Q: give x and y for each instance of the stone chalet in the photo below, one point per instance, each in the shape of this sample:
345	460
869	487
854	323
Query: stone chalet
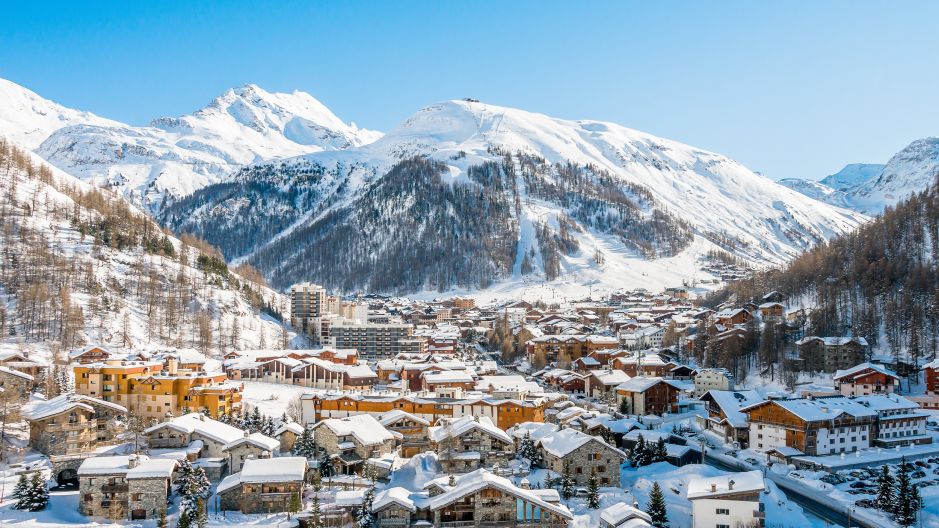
351	441
583	454
249	446
474	500
727	500
467	443
866	378
15	381
124	487
211	436
22	362
287	434
264	486
71	424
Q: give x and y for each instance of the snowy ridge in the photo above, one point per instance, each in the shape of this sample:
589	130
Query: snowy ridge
175	156
725	205
27	119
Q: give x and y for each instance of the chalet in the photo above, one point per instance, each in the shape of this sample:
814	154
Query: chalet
865	379
646	395
772	311
724	413
644	364
733	317
773	297
829	354
820	426
264	486
71	424
210	436
566	348
448	381
468	443
727	500
900	422
601	383
472	500
305	371
15	381
287	435
707	379
22	362
413	431
249	446
582	455
351	441
124	487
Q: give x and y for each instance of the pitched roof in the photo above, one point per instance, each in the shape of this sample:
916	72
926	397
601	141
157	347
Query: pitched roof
363	427
38	410
566	441
199	423
255	470
481	479
256	439
730	402
396	495
702	487
454	428
854	371
394	415
621	512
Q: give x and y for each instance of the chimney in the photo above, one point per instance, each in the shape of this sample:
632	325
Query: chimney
247	433
730	484
713	487
132	461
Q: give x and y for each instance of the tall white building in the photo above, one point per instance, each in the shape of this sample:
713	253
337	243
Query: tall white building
727	501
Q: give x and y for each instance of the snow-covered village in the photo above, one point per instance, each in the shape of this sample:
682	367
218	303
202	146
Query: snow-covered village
524	264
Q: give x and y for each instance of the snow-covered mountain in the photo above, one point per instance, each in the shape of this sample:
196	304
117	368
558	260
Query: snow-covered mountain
27	119
869	188
911	170
84	266
174	156
584	202
852	175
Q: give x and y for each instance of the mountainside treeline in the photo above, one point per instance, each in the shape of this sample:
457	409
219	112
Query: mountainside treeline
79	265
879	282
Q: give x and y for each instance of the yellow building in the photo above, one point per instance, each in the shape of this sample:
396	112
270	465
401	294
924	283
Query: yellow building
148	390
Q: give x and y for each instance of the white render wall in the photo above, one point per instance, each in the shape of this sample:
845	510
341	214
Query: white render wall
765	437
843	439
704	513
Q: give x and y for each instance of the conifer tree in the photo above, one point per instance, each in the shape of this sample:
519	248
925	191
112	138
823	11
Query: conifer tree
268	429
202	517
656	508
365	518
192	485
183	521
528	451
161	521
907	501
295	503
304	445
593	492
316	514
624	406
641	455
660	454
20	492
886	500
567	483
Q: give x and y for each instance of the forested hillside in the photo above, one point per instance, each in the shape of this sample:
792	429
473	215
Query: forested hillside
79	265
879	281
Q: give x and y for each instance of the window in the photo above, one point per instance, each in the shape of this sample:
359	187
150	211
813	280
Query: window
723	526
723	511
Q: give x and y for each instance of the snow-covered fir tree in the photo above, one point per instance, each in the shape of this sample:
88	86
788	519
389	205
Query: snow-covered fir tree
886	500
192	485
593	492
656	508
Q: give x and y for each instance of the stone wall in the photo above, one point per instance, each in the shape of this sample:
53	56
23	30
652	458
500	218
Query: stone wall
273	497
593	456
147	497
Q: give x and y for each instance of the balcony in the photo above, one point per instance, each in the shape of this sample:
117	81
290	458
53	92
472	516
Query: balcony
114	488
110	504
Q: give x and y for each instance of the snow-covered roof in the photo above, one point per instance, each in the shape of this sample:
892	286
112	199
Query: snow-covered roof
566	441
644	383
454	428
258	470
146	467
820	409
292	427
833	341
481	479
730	403
886	402
397	495
610	377
363	427
199	423
16	373
537	430
617	514
394	415
702	487
350	498
852	372
38	410
448	376
256	439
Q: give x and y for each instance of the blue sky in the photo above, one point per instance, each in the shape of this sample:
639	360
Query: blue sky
792	89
